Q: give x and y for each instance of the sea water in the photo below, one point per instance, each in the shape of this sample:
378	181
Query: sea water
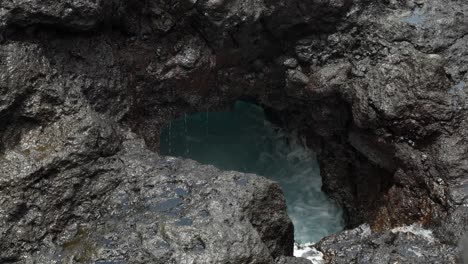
244	140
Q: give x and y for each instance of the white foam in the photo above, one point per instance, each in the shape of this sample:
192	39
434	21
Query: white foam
415	229
243	140
307	251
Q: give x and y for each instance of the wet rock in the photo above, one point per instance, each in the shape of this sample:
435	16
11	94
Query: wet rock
289	16
399	115
453	228
77	15
380	95
295	83
410	244
128	206
292	260
76	186
463	249
290	63
327	80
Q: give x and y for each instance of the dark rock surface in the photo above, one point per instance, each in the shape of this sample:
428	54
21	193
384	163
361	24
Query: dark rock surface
402	245
132	205
291	260
378	89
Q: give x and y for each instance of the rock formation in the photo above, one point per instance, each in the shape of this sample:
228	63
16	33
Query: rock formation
378	89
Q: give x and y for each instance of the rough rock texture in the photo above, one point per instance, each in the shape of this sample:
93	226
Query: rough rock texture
409	244
291	260
129	204
378	89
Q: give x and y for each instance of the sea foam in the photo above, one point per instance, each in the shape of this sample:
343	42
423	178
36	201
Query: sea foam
244	140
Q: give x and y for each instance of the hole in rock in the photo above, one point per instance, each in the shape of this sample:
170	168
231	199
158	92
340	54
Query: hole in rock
244	140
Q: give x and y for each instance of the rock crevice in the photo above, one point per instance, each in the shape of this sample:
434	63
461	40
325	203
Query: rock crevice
377	89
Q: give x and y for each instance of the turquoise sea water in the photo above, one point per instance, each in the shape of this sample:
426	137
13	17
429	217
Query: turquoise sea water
243	140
